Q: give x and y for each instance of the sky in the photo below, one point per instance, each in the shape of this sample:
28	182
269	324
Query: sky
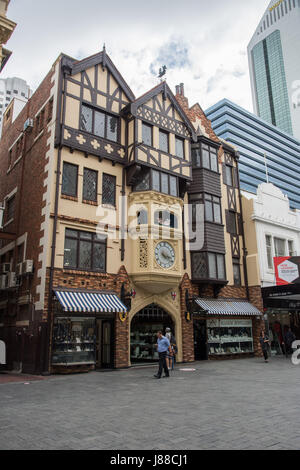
203	43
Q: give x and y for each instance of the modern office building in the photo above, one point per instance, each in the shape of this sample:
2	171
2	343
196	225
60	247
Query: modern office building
11	88
273	54
266	152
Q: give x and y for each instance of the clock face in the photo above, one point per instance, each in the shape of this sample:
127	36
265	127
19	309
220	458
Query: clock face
165	255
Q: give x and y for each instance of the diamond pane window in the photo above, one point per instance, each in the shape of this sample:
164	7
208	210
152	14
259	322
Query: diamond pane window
147	134
164	141
99	124
69	179
86	119
90	178
179	147
112	128
85	251
108	189
199	265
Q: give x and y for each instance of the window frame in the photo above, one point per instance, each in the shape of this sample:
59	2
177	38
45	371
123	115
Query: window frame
114	178
182	140
85	169
201	199
106	115
162	131
236	264
207	257
151	186
149	126
94	241
211	150
62	186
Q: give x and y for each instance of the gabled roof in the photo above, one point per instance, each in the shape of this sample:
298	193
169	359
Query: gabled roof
165	89
103	59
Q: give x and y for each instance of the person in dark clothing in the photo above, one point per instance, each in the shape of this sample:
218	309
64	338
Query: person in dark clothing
163	346
289	338
264	342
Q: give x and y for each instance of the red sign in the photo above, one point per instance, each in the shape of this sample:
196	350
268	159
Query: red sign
287	270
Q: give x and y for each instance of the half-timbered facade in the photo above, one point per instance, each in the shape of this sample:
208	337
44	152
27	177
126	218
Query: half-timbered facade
93	252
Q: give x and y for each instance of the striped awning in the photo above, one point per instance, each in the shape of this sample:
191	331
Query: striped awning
90	302
227	307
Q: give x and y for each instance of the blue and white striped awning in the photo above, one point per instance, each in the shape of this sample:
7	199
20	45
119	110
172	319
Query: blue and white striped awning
227	307
90	302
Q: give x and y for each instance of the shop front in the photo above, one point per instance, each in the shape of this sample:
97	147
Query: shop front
143	335
224	328
282	313
83	330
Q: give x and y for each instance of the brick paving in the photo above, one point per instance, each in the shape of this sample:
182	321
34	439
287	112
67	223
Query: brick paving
243	404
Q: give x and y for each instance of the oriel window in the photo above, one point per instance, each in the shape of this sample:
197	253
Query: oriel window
69	179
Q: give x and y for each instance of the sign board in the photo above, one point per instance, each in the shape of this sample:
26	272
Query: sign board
2	353
287	270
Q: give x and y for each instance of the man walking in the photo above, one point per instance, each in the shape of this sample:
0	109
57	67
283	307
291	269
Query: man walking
163	346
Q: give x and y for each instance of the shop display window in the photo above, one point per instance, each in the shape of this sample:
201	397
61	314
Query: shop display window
229	337
73	341
143	342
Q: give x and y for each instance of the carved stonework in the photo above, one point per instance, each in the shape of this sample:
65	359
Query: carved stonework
143	254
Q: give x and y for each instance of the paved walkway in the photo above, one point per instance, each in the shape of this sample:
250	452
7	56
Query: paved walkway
242	404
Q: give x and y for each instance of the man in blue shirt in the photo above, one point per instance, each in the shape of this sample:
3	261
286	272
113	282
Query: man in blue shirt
163	346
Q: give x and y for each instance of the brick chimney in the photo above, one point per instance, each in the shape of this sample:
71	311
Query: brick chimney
182	100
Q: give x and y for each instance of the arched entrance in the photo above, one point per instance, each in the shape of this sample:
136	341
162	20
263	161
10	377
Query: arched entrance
144	327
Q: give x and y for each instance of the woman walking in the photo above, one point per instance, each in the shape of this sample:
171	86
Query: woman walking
264	342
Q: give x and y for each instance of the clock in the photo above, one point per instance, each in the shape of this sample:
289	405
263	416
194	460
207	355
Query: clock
165	255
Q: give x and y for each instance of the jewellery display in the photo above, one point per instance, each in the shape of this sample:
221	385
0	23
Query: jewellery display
74	341
229	337
143	342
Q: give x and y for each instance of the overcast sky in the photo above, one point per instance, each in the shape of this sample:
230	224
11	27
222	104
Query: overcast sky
202	42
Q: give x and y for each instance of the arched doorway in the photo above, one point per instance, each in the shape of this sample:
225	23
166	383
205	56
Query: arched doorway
144	327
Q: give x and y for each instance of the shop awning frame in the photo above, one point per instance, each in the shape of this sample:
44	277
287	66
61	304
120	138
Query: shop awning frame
91	302
232	307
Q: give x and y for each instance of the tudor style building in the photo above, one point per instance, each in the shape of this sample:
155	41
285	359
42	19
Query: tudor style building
94	256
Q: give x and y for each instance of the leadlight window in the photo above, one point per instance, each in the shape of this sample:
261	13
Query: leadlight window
85	251
179	147
231	222
229	175
212	207
99	123
90	183
205	157
108	189
157	181
216	266
164	141
69	179
147	131
236	273
199	265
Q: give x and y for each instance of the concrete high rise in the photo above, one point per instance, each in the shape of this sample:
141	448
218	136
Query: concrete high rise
273	54
11	88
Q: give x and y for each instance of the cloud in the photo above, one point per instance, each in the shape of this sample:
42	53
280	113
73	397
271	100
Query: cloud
202	43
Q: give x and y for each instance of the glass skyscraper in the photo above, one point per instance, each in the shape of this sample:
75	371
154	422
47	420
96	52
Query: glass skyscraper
264	149
275	66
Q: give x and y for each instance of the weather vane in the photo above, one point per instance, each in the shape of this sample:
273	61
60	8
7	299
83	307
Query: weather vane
162	72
